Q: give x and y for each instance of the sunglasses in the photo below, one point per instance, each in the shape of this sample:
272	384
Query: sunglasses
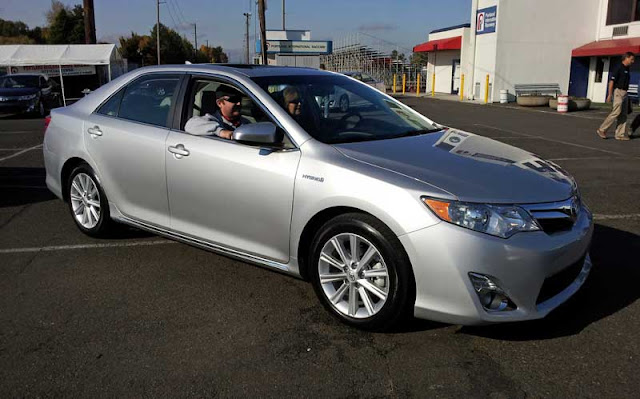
295	101
232	99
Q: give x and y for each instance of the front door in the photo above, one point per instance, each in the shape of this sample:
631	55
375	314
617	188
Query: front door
232	194
579	78
455	80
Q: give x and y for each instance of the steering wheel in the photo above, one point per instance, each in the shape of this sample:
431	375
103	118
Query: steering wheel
345	119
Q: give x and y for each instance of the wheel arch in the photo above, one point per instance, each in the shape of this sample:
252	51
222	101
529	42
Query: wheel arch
67	168
314	223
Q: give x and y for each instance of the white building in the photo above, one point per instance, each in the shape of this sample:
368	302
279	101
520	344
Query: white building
572	43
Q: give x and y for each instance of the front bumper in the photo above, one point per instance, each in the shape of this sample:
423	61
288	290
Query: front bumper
17	107
443	256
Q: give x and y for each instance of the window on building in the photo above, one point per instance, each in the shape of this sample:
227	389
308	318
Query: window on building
623	11
599	69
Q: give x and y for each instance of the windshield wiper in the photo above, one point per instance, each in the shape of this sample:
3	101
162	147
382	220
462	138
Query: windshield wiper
418	132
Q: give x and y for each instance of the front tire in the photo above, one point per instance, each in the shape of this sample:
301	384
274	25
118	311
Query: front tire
361	273
88	203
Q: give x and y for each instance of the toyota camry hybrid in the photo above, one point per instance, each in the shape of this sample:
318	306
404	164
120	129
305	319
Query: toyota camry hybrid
387	213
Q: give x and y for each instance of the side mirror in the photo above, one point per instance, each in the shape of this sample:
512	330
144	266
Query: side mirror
262	133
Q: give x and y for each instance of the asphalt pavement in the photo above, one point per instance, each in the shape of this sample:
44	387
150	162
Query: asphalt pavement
141	316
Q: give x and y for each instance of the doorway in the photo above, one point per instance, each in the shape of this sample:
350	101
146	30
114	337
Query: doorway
455	77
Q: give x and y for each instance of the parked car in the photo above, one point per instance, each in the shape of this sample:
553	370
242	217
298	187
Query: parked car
28	93
344	100
384	211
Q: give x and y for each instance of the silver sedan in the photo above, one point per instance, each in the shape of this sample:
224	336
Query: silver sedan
385	212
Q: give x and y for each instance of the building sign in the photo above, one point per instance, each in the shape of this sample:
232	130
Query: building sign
54	70
296	47
486	20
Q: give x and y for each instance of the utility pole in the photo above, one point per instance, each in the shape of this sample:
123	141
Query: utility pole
89	22
158	28
283	26
195	40
263	32
247	15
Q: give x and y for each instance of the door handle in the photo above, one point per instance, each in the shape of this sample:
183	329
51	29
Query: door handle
179	151
95	131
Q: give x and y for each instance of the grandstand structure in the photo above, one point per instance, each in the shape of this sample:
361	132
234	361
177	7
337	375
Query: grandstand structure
379	58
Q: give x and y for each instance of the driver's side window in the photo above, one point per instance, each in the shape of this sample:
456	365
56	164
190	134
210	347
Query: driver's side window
213	108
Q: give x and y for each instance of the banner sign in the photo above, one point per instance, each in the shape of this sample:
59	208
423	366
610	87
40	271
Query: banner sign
297	47
486	20
54	70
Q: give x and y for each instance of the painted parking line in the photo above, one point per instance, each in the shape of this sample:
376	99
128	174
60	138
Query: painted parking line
548	139
21	152
86	246
617	217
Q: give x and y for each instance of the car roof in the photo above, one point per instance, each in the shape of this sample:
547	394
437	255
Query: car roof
247	70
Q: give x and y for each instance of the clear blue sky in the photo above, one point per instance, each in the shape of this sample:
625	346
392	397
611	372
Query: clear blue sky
405	22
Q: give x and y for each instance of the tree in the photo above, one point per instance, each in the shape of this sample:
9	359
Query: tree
56	7
420	58
17	32
67	27
174	49
211	54
397	56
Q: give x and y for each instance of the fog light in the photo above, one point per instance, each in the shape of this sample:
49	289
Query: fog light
491	296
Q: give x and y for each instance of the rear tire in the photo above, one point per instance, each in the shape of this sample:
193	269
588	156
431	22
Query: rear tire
361	273
88	203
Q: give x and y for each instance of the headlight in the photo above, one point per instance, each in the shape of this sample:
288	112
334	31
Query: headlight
27	97
497	220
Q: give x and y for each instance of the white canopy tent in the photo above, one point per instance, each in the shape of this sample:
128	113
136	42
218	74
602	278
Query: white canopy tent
62	55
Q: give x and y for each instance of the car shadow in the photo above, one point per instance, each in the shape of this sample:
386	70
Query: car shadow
611	287
23	186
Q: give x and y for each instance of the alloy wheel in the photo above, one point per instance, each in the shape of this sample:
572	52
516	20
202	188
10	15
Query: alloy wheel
85	200
353	276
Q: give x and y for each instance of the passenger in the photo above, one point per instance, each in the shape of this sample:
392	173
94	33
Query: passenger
292	102
224	121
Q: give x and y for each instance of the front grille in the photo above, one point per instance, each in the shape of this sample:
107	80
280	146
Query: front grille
555	217
557	283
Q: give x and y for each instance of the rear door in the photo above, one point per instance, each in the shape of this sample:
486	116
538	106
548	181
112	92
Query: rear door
126	139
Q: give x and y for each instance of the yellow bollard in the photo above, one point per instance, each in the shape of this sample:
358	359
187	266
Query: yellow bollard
486	91
433	84
395	76
404	83
462	87
418	87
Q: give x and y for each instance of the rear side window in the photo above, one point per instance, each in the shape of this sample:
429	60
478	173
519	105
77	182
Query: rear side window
110	108
149	99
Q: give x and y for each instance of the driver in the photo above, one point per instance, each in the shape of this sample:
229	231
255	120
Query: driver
224	121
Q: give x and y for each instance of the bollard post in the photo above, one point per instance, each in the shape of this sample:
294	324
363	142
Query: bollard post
486	90
395	77
433	83
404	83
462	87
418	87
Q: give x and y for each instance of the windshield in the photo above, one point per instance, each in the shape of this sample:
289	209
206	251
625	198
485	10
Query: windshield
18	82
335	109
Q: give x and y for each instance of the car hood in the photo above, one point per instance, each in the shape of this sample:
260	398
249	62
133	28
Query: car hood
11	92
471	167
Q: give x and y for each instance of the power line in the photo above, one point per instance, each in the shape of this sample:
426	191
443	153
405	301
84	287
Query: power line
177	5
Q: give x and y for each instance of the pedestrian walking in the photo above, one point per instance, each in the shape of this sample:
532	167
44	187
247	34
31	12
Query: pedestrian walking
618	88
